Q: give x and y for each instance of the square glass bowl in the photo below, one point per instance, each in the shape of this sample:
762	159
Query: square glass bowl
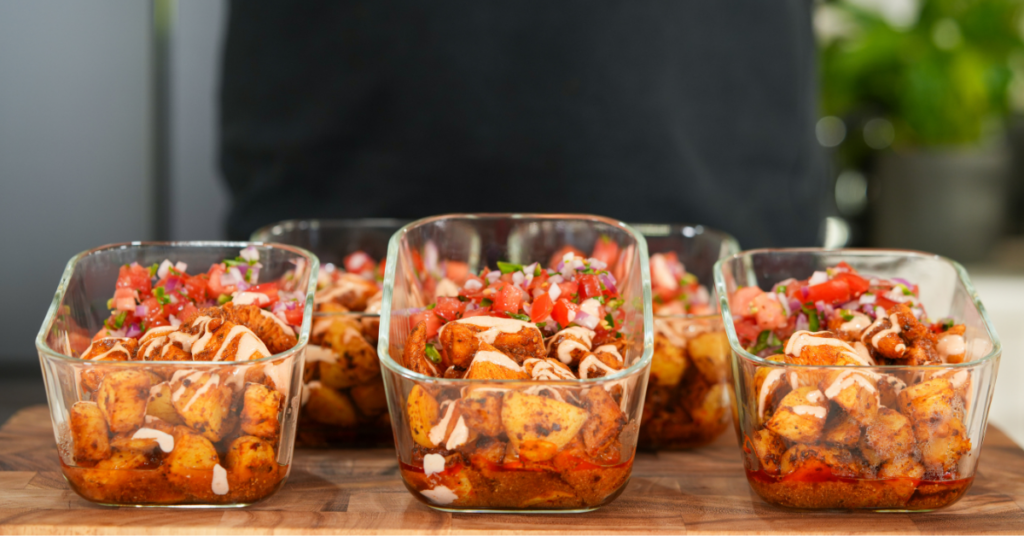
497	478
943	403
185	467
345	404
687	403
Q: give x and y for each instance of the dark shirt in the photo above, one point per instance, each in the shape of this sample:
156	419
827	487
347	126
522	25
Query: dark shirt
645	111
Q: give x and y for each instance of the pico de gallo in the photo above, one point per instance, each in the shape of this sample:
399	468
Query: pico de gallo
675	291
165	294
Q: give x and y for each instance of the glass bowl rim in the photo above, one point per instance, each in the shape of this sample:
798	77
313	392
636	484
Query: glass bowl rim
383	338
69	269
265	233
994	353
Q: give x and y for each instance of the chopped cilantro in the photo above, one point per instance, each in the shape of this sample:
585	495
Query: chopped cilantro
906	291
618	334
110	303
599	299
119	319
781	290
508	267
153	269
431	306
846	314
486	302
519	316
224	298
432	354
462	298
688	279
248	275
161	295
540	325
616	303
611	321
537	270
813	324
762	342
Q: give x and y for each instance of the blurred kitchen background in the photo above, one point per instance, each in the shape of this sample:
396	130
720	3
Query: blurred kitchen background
108	132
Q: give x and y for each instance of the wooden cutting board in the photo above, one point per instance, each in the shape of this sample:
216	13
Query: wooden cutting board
358	491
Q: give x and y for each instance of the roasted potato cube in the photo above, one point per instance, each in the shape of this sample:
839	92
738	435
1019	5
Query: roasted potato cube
941	454
251	463
856	393
230	342
122	398
769	449
328	406
890	435
357	361
274	333
193	454
548	369
160	405
812	351
422	410
459	343
491	364
712	410
605	423
204	403
571	345
599	365
935	410
414	356
112	349
125	459
842	431
817	459
90	433
532	417
350	290
261	407
371	399
901	467
710	354
801	416
538	450
482	412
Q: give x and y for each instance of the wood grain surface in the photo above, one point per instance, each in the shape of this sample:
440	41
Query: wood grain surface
359	491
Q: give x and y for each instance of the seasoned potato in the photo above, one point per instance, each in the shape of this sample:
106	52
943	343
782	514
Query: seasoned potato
902	467
192	452
842	431
605	423
352	291
112	349
935	410
371	399
571	345
820	459
769	449
668	364
275	334
125	459
204	403
491	364
856	393
813	352
531	417
538	450
160	406
89	432
329	406
357	362
261	407
423	412
712	410
800	416
890	435
251	463
710	354
231	342
482	412
459	343
122	398
414	356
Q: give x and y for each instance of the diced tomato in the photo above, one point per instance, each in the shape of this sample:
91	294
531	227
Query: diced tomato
508	299
433	322
381	267
884	303
541	308
358	263
746	329
195	286
483	311
606	250
449	308
215	288
417	261
556	258
293	317
770	314
564	311
134	277
740	301
124	299
154	312
834	291
858	285
589	286
267	289
457	271
538	282
183	310
568	289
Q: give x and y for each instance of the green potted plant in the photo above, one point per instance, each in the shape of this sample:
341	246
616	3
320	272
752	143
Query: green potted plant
924	93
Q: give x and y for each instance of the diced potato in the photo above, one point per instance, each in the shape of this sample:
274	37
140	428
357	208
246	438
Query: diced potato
482	412
835	353
328	406
571	345
414	357
204	402
124	459
271	332
531	417
605	423
710	354
491	364
459	342
941	454
935	410
261	407
712	411
522	345
902	467
800	416
357	362
842	431
371	398
251	463
890	435
90	433
538	450
122	398
192	452
112	349
856	393
422	410
769	449
668	364
814	459
160	406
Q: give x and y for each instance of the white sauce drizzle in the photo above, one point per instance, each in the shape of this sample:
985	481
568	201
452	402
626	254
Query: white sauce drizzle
164	440
433	463
316	353
815	396
610	349
219	486
951	345
496	358
815	411
440	495
116	348
770	380
801	339
592	362
847	379
460	434
546	370
857	323
437	433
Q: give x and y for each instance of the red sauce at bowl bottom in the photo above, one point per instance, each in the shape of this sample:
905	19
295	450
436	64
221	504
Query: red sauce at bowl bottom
823	490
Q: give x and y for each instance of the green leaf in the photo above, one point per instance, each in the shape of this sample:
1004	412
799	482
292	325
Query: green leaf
847	315
540	325
519	316
432	354
762	342
223	298
537	270
813	323
618	334
431	306
486	302
599	299
508	267
153	269
119	319
160	293
462	298
611	321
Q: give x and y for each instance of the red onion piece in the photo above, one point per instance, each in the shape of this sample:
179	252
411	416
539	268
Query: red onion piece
140	311
584	320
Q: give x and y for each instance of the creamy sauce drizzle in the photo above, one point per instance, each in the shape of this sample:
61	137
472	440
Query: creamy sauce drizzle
815	411
219	486
770	380
591	362
610	349
437	433
496	358
163	440
440	495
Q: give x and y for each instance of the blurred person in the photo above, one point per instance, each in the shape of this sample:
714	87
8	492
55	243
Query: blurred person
644	111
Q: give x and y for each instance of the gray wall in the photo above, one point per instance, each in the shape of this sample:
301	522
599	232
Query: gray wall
75	155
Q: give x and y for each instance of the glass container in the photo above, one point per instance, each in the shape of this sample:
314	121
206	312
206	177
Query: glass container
348	406
121	437
507	470
918	446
